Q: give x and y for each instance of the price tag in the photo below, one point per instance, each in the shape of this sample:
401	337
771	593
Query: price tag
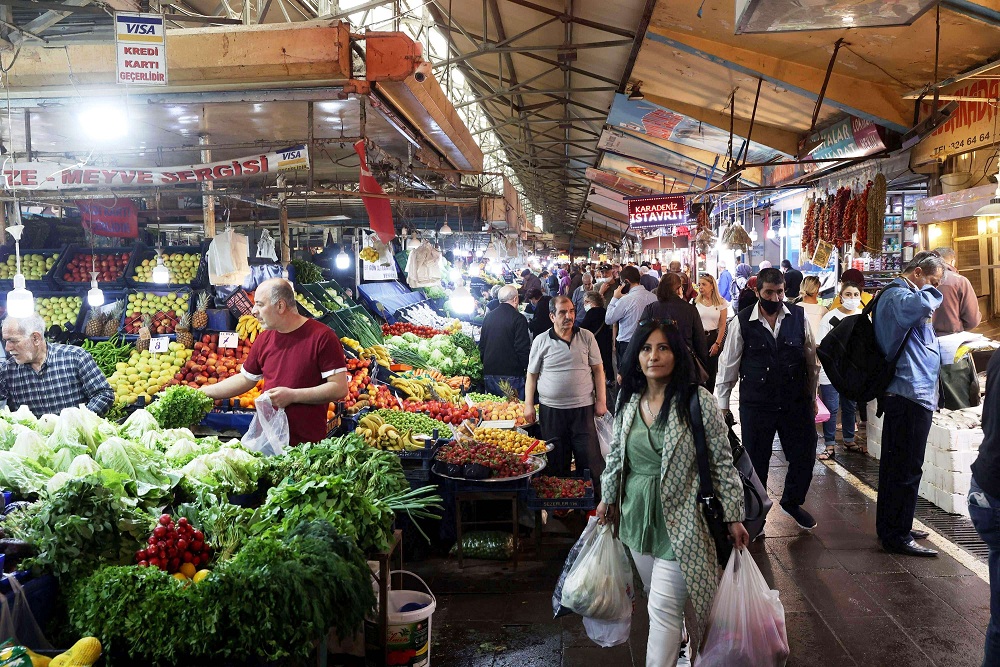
228	339
159	344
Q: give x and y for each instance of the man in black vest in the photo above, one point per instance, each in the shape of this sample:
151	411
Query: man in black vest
773	353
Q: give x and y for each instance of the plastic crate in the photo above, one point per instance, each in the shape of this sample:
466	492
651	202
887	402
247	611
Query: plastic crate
110	297
321	293
187	297
313	300
49	294
73	250
534	502
144	252
46	282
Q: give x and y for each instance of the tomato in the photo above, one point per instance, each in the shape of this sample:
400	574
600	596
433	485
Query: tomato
140	554
151	541
187	557
182	521
197	546
143	563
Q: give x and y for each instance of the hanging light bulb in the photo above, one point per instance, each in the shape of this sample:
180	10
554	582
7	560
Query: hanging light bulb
20	302
161	274
445	229
988	215
461	300
343	259
95	297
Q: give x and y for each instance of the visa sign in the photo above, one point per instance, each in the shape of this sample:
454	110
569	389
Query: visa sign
141	35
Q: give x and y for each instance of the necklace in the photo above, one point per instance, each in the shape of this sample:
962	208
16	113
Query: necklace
645	404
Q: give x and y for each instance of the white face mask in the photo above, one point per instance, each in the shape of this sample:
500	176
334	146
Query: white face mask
851	304
587	307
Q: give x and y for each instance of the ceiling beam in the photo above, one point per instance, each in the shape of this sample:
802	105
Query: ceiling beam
566	18
864	99
492	50
574	70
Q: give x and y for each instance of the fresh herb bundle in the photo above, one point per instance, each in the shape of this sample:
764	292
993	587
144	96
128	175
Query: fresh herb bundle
180	406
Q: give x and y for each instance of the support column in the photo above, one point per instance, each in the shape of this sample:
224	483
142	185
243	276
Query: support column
207	200
286	253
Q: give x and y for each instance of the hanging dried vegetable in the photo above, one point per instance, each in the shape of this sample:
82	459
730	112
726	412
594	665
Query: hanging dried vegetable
839	235
703	219
876	213
736	237
705	241
862	218
808	226
850	226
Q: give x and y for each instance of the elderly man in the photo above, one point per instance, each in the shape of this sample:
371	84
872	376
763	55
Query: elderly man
505	344
959	310
902	318
300	360
647	279
529	281
540	321
725	282
578	295
48	377
565	367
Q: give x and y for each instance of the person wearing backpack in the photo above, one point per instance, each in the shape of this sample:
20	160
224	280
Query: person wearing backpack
771	350
902	321
850	295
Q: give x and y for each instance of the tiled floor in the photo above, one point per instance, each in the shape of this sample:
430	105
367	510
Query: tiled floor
846	601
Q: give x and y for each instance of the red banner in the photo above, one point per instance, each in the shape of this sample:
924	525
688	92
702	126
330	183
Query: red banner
110	217
379	209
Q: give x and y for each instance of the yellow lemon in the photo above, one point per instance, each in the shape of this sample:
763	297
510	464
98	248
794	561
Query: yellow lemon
200	575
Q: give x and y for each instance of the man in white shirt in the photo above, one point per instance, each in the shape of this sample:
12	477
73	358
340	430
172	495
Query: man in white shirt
625	309
771	350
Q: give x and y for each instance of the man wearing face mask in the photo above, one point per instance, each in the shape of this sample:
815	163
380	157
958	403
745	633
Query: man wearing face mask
773	354
902	317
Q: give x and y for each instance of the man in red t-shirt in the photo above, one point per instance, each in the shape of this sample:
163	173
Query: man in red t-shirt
302	363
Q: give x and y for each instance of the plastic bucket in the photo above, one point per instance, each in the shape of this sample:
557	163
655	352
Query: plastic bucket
408	635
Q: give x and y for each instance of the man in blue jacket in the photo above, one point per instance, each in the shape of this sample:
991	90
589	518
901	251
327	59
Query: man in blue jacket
910	399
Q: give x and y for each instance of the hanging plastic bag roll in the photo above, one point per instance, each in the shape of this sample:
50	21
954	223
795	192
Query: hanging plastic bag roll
268	432
227	258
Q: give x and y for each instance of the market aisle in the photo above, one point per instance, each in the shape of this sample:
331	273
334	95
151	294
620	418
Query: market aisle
846	601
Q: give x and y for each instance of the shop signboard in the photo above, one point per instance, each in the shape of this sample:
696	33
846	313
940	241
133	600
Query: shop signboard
378	271
142	49
640	149
110	217
644	117
62	176
617	183
972	126
655	178
650	213
849	138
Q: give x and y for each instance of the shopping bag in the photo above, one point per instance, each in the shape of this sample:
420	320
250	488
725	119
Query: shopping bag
822	413
608	633
557	608
746	627
268	432
599	585
22	621
605	432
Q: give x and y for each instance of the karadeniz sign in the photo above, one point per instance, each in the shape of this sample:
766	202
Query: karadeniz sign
657	211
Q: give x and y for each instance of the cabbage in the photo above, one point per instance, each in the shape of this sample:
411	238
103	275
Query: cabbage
62	460
47	424
436	357
411	337
57	482
82	466
139	464
183	450
23	416
138	424
30	445
459	354
80	427
398	341
198	472
22	475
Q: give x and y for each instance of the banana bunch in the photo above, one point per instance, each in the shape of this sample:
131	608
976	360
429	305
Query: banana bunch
248	327
353	344
425	389
380	354
369	254
385	436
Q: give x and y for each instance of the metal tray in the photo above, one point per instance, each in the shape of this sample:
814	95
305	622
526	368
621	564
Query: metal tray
539	465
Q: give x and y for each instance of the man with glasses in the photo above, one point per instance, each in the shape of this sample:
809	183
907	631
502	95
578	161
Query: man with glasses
565	367
625	309
48	377
773	353
902	317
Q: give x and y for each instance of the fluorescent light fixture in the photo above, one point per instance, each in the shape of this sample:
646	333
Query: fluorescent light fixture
20	302
343	260
105	122
989	214
161	274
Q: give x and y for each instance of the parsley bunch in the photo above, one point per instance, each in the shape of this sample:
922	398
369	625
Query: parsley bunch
180	406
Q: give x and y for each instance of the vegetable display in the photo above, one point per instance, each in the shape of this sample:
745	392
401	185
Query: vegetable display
561	487
451	355
307	272
108	354
400	328
479	461
180	406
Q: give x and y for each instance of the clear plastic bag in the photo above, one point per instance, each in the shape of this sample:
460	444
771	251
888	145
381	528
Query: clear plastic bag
486	545
557	607
227	258
599	585
608	633
746	627
268	432
605	432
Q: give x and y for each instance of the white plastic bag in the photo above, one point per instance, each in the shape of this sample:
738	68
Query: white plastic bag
747	625
557	606
600	583
268	432
605	432
265	247
608	633
227	259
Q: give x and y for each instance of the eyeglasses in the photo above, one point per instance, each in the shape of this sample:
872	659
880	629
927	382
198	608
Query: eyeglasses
658	322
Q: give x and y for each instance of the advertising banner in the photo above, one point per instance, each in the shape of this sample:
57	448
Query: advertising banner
379	209
110	217
655	212
849	138
54	176
973	126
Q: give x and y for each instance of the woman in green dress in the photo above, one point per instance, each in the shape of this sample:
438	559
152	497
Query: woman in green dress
651	481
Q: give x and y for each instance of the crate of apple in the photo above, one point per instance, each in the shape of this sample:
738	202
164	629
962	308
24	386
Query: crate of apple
172	545
35	266
184	264
209	364
164	307
110	266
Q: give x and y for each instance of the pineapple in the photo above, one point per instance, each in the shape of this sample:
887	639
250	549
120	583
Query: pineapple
509	392
183	331
95	326
113	319
143	341
200	319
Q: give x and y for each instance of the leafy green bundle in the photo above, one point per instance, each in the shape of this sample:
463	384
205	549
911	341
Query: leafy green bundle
180	406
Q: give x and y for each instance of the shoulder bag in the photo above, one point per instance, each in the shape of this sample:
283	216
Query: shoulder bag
754	494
